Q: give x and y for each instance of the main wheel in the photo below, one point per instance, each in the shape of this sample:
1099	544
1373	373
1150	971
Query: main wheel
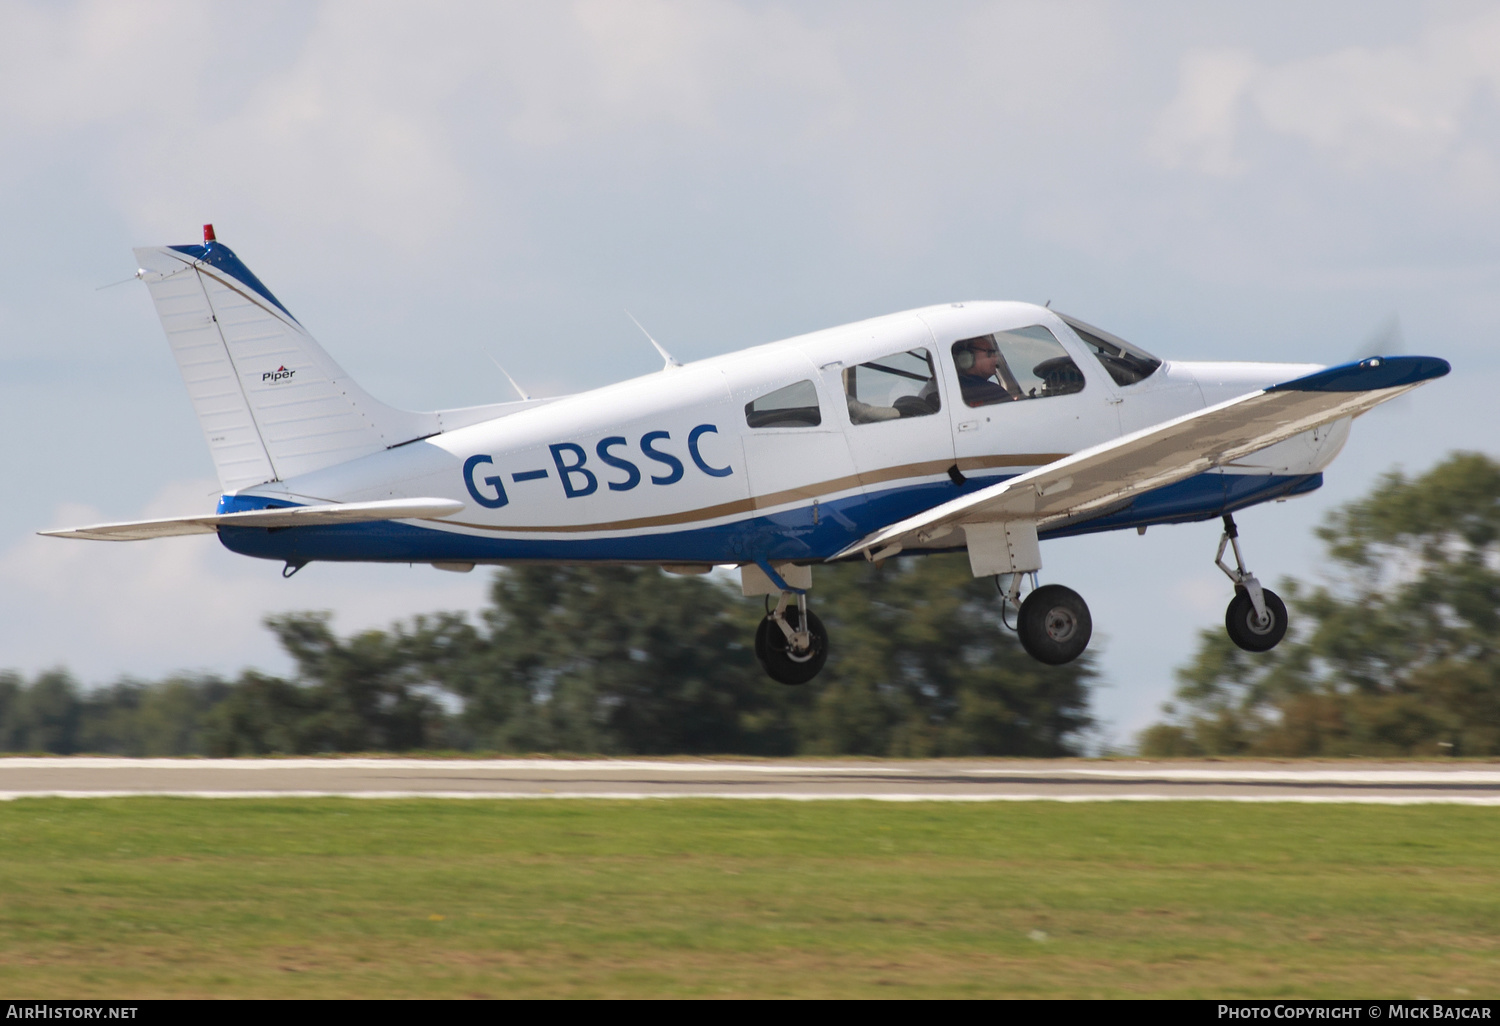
1055	625
776	656
1249	631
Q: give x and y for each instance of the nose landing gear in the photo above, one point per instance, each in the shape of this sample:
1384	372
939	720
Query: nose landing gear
1256	619
789	652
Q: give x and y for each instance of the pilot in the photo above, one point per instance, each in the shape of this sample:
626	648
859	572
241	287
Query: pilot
979	364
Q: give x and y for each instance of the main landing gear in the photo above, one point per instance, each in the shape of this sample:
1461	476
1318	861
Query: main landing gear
1053	624
1256	617
789	652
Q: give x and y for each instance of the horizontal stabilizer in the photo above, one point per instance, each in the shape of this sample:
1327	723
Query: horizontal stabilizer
286	516
1098	478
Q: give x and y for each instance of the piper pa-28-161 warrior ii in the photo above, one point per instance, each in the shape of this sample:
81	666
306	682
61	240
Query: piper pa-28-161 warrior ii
984	426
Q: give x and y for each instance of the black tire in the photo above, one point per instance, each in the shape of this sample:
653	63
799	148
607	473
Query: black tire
1055	625
1246	630
776	657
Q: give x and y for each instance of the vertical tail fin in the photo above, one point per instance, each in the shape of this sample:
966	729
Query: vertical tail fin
271	402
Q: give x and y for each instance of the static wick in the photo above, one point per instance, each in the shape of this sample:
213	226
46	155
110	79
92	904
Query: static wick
140	273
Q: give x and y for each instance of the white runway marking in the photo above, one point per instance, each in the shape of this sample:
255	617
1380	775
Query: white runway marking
791	796
1301	774
950	780
1304	776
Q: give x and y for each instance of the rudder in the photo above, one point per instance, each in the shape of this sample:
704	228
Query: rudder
271	402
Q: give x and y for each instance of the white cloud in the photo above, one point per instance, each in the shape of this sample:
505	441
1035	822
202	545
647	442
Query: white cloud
380	123
1392	105
62	66
1358	107
393	122
147	608
613	65
1198	128
591	68
343	141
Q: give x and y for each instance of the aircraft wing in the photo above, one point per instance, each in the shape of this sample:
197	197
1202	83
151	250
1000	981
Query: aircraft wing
1163	454
286	516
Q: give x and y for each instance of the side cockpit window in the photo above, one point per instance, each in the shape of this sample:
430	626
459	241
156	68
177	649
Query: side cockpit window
1006	366
793	406
1126	363
893	387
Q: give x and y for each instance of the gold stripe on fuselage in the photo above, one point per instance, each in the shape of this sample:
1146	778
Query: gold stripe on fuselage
806	492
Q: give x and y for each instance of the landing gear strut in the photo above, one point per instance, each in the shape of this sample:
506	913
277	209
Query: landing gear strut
789	652
1256	617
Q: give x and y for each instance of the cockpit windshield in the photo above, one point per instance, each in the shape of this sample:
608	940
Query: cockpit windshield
1126	363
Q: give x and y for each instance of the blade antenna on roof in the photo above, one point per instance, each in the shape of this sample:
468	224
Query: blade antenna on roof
670	360
519	390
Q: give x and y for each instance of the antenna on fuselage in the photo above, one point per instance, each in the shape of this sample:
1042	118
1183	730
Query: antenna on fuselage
519	390
670	360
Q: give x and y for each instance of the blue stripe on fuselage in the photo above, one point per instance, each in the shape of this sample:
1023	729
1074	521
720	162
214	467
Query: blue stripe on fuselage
805	534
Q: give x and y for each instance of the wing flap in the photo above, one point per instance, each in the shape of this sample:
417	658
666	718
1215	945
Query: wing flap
286	516
1106	474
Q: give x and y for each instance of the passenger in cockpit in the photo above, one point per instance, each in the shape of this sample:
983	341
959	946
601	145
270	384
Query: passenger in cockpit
983	375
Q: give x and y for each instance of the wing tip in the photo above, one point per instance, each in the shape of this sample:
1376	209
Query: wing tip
1369	375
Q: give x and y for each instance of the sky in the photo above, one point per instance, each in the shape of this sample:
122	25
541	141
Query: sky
430	188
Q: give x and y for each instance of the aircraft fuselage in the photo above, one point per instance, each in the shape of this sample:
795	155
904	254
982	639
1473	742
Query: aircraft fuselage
680	467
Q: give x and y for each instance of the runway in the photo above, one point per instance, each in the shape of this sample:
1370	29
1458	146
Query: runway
943	780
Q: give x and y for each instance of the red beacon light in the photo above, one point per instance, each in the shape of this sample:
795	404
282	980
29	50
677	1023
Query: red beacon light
208	234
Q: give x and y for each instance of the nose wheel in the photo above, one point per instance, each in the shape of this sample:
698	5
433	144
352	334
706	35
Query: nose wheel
1252	631
1256	619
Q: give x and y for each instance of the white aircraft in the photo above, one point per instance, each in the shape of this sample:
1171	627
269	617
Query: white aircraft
984	426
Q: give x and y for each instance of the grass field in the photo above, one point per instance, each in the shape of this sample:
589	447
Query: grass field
154	897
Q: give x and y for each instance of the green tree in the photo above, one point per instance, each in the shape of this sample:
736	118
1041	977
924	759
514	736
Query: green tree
627	659
1398	655
365	693
264	715
606	659
160	718
43	716
377	691
920	665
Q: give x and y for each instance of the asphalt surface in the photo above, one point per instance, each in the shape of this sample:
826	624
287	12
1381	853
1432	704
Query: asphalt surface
1070	780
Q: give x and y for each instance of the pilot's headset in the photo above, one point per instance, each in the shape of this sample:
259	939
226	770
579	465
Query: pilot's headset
963	354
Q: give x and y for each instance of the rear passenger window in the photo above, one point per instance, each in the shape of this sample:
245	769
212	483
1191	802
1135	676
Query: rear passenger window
793	406
896	386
